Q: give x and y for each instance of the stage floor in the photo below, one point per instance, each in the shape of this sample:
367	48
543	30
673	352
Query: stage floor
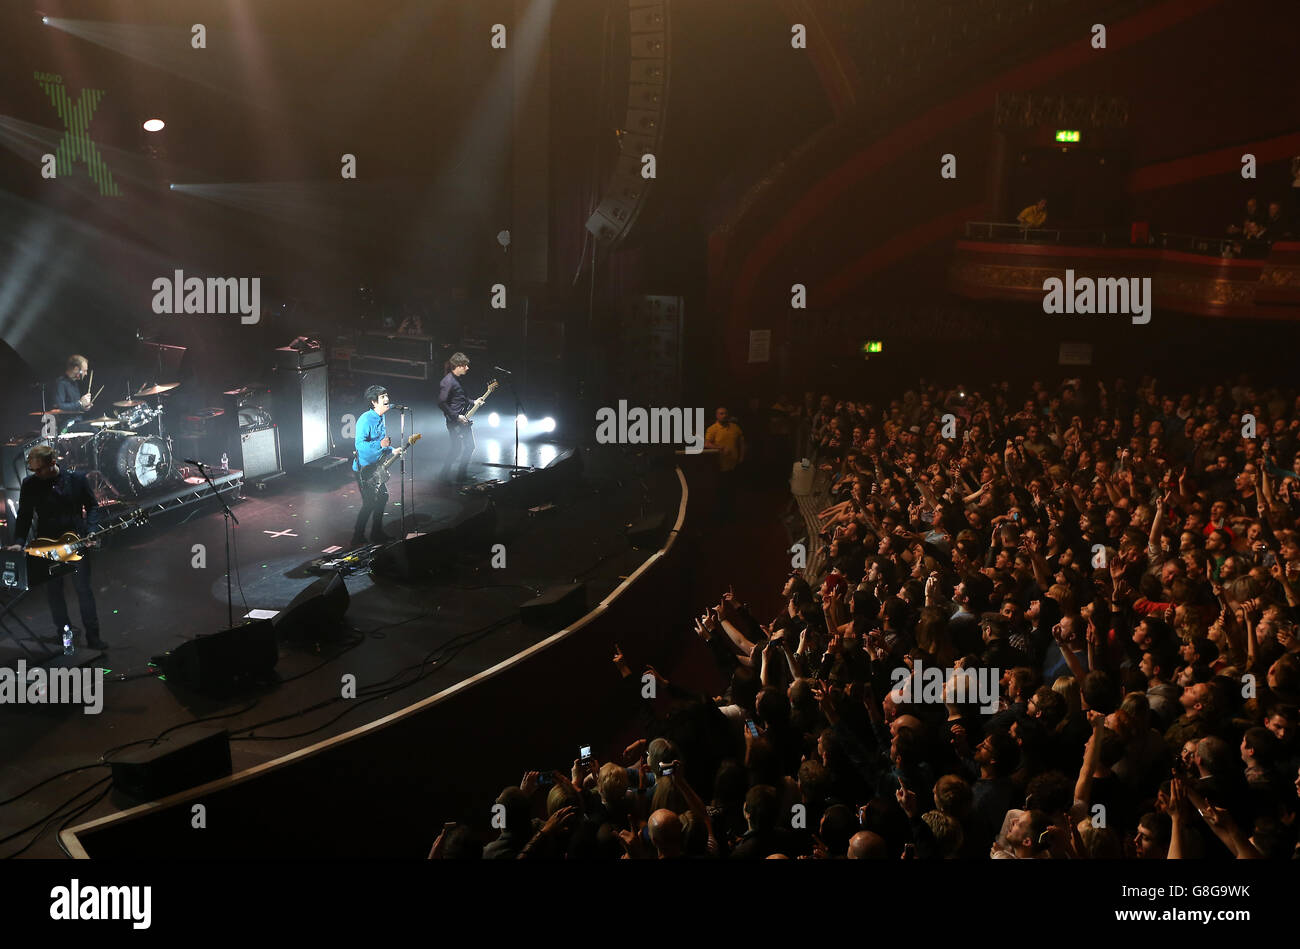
405	641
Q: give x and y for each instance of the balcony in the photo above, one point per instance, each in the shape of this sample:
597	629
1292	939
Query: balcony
1207	276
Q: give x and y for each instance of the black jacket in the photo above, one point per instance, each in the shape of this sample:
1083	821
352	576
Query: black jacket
57	504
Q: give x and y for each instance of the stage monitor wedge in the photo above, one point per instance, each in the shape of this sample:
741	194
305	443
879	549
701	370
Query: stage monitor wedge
224	662
179	762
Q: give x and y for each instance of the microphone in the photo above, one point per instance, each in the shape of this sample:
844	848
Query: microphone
505	372
191	461
394	405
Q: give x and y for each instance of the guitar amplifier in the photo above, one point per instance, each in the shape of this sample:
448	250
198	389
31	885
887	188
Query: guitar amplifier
383	366
286	357
13	572
259	452
409	348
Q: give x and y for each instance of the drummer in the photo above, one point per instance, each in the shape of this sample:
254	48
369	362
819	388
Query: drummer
67	392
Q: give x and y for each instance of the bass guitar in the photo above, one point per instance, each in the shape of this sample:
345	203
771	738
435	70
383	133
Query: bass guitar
69	548
376	473
478	403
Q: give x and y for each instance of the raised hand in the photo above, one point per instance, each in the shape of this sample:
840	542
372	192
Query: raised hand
907	801
560	820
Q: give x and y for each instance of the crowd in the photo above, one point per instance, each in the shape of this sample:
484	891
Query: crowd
1258	229
1119	564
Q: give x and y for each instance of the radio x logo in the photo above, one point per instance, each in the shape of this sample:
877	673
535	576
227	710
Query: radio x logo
76	144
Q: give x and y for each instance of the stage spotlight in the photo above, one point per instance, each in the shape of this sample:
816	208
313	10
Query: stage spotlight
171	187
154	125
522	420
494	420
548	424
45	20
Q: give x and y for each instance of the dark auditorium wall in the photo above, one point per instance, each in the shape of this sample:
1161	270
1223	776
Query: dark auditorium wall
884	240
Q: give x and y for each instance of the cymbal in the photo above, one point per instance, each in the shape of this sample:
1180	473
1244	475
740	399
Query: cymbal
117	431
75	435
128	403
56	412
159	389
102	421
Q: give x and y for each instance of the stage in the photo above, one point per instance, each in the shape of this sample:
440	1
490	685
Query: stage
161	584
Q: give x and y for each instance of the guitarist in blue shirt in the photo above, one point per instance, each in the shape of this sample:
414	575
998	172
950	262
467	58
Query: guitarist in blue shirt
372	443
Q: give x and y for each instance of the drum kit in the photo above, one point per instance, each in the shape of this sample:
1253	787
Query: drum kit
130	459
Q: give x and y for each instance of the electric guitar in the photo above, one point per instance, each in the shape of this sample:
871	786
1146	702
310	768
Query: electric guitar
478	403
376	473
70	548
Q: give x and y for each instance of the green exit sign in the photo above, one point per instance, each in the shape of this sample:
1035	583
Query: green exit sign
1067	135
873	346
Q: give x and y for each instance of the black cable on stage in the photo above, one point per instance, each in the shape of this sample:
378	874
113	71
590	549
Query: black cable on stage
48	819
535	591
52	777
58	835
445	651
103	757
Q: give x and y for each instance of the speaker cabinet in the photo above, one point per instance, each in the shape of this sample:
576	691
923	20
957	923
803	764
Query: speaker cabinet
224	662
646	87
315	612
649	532
184	760
557	606
418	556
300	405
259	452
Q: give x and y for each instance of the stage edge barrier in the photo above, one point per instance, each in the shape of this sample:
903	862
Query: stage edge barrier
385	788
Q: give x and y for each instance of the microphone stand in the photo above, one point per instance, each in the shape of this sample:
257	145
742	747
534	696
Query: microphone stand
514	466
229	516
401	462
415	525
519	410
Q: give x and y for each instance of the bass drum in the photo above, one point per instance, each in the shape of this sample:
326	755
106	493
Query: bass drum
136	464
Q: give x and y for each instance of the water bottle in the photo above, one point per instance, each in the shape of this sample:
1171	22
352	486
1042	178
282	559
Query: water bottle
68	649
225	463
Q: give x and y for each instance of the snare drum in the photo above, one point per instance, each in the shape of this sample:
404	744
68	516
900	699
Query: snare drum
135	464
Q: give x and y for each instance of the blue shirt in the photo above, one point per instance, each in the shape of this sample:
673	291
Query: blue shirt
370	432
67	395
1054	664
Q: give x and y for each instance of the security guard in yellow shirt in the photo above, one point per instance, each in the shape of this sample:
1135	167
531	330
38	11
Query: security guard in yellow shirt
725	435
1033	216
